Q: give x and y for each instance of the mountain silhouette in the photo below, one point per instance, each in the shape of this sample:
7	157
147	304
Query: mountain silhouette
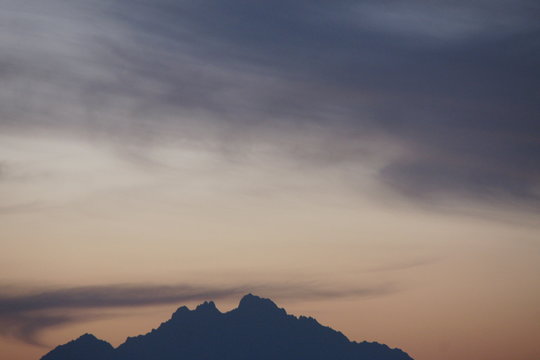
256	330
87	347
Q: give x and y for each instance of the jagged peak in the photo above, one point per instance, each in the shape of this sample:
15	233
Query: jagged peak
207	306
206	328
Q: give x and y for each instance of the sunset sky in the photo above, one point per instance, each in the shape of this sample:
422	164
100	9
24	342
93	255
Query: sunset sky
373	164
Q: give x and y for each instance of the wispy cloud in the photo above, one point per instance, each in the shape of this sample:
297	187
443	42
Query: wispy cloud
25	313
432	79
18	208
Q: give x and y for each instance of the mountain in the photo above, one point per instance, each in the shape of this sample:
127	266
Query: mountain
87	347
256	330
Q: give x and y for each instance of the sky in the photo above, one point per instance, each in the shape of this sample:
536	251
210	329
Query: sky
373	164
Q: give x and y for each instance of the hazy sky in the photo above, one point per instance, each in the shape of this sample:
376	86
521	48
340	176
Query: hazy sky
374	164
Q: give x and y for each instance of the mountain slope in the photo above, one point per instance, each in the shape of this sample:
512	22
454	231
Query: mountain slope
86	347
257	329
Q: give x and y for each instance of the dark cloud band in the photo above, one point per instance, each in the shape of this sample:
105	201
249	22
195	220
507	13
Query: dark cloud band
25	313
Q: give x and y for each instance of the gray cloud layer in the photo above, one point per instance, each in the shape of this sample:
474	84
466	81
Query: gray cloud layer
25	313
455	84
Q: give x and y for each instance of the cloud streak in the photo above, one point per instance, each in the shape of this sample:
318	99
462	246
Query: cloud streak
26	313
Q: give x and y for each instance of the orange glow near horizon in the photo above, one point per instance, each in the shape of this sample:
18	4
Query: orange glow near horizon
460	282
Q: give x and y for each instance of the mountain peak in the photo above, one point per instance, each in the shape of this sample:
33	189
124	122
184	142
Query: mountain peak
207	307
180	311
257	329
87	337
252	303
85	347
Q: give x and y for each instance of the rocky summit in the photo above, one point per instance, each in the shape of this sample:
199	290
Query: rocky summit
256	330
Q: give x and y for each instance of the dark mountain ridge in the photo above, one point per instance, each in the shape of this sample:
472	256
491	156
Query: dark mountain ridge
256	330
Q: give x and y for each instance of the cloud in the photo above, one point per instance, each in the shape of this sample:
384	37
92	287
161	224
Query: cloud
27	328
456	20
25	313
453	86
404	265
18	208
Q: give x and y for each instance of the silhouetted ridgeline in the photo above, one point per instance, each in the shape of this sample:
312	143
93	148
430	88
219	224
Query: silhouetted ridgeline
256	330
